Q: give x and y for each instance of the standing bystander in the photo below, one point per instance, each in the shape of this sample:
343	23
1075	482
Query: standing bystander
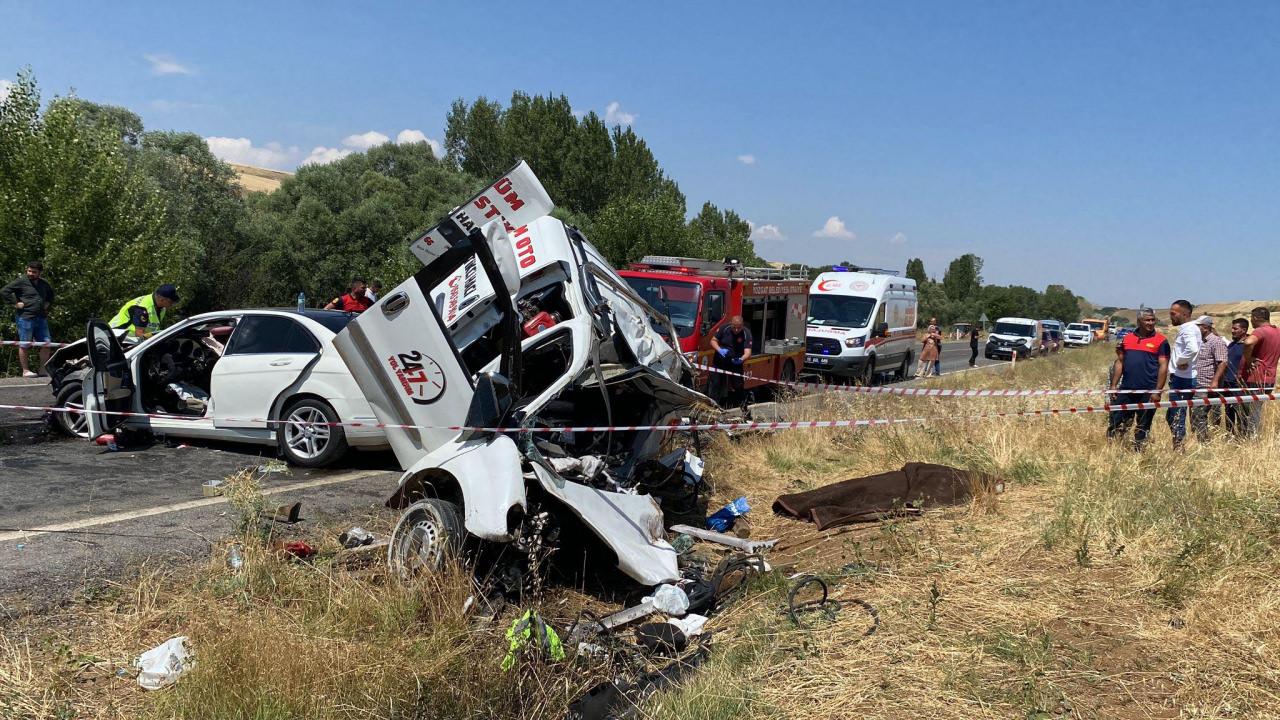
31	295
1182	367
1211	365
355	300
974	333
1233	379
1141	366
1261	351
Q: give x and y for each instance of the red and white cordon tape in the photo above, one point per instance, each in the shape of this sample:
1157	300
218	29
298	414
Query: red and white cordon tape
33	343
948	392
1255	397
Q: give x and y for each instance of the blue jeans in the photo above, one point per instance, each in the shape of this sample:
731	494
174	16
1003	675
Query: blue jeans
1177	417
33	329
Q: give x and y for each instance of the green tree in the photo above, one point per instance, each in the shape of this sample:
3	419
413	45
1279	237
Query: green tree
915	271
1059	303
963	278
473	138
714	233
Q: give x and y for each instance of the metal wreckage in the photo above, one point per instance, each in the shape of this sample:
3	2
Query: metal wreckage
515	321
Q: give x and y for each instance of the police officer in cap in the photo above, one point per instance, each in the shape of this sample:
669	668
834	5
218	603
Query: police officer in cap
146	313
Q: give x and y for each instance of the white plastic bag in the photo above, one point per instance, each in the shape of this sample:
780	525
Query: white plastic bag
691	624
669	599
161	665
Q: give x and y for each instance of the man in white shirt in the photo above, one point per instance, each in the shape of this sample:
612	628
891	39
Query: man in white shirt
1182	367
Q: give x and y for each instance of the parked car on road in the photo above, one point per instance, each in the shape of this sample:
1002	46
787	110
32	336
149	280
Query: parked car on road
1014	335
260	376
1078	335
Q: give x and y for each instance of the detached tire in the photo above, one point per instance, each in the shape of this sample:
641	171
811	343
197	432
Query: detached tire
429	533
304	440
71	395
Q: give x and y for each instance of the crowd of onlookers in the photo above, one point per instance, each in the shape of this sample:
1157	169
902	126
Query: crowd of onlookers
1199	364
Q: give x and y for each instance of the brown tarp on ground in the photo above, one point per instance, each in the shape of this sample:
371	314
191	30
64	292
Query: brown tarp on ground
916	487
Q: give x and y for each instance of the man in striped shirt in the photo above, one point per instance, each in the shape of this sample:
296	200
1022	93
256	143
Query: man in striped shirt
1211	365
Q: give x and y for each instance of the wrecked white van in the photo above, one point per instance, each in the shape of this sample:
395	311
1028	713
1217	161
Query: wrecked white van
563	343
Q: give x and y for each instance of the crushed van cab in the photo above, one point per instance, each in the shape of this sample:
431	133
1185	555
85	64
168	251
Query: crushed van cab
516	321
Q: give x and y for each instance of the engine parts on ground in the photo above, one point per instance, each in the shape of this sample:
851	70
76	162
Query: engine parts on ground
355	537
909	491
621	698
737	543
799	609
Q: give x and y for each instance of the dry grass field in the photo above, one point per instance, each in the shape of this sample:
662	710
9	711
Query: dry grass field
255	179
1100	583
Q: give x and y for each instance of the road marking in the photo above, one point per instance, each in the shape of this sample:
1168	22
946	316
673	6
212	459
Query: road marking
177	507
5	387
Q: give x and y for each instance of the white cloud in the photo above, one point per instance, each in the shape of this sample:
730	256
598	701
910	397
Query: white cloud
417	136
364	141
322	155
747	159
834	228
765	232
5	87
614	115
166	65
898	239
243	152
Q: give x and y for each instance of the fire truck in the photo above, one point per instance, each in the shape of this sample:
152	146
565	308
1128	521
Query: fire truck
700	296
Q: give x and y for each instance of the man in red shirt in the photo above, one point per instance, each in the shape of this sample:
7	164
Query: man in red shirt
355	300
1261	351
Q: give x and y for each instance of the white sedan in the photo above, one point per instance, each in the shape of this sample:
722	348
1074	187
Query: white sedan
270	377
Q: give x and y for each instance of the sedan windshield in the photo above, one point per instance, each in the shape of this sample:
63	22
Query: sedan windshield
674	298
1095	324
1007	328
1078	326
842	310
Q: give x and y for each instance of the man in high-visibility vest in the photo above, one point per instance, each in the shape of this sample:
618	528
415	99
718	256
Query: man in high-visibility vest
146	313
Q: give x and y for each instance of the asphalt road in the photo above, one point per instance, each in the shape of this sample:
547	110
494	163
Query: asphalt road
955	356
119	510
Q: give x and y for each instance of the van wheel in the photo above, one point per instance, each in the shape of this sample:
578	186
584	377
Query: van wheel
904	368
307	438
429	533
868	376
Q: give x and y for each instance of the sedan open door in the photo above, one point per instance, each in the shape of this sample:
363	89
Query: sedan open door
109	386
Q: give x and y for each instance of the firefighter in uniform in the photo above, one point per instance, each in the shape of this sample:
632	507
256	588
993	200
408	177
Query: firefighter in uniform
732	346
146	313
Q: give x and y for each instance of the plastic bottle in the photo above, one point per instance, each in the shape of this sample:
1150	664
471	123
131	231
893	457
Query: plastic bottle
235	560
302	301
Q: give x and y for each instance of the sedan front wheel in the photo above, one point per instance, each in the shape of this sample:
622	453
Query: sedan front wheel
309	435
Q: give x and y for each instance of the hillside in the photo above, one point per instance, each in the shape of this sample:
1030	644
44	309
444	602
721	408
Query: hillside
1220	312
255	179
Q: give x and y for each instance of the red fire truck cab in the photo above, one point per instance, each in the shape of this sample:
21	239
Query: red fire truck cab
700	296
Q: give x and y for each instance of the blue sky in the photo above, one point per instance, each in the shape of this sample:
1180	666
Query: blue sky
1127	150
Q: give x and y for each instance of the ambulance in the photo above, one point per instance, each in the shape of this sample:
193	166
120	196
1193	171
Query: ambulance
861	324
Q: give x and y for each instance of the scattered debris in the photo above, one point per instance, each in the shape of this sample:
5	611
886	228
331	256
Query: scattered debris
662	638
212	488
682	543
289	514
669	599
273	466
355	537
691	625
823	604
621	698
235	557
737	543
529	635
161	665
724	518
299	549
